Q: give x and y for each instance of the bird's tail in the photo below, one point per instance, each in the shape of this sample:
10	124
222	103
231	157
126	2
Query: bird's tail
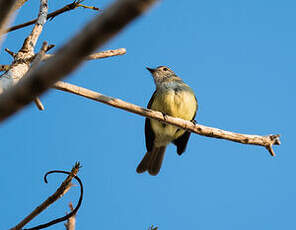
152	161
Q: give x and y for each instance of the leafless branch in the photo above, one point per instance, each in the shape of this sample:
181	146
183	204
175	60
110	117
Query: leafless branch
4	67
61	191
6	9
105	54
21	65
31	40
95	34
19	4
266	141
89	7
99	55
70	225
35	63
12	54
64	9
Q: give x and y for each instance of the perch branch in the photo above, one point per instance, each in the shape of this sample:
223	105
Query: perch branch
266	141
61	191
64	9
95	34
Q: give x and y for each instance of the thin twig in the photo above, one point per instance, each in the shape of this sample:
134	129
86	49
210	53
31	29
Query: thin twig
38	103
266	141
61	191
4	67
99	55
12	54
94	35
89	7
94	56
71	222
105	54
35	63
64	9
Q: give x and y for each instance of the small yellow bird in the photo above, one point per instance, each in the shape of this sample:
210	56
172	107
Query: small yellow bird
174	98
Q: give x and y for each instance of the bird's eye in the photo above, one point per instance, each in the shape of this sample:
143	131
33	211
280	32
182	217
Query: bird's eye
165	69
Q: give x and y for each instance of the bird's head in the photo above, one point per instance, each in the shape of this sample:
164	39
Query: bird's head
162	74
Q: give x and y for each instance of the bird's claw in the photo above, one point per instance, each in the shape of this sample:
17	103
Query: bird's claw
164	116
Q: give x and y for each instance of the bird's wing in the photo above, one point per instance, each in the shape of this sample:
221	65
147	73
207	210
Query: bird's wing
181	142
149	134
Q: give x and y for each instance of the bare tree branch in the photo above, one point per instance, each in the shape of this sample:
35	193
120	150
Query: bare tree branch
99	55
64	9
61	191
4	67
19	4
35	63
95	34
6	10
71	222
89	7
21	65
266	141
33	37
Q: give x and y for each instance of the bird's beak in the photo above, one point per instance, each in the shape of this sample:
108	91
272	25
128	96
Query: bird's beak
150	70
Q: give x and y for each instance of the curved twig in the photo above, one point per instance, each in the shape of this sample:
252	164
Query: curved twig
62	190
72	213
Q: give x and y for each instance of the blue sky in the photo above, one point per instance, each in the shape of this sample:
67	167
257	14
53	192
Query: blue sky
239	58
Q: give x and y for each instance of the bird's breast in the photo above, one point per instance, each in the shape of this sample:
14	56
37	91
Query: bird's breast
176	102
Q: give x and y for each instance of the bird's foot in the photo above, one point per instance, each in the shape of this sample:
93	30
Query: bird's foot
164	116
194	121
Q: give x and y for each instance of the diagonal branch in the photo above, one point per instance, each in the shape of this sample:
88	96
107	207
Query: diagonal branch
35	63
95	34
6	10
266	141
31	40
61	191
20	64
64	9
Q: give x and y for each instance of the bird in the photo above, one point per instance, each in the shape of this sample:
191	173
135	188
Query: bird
174	98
